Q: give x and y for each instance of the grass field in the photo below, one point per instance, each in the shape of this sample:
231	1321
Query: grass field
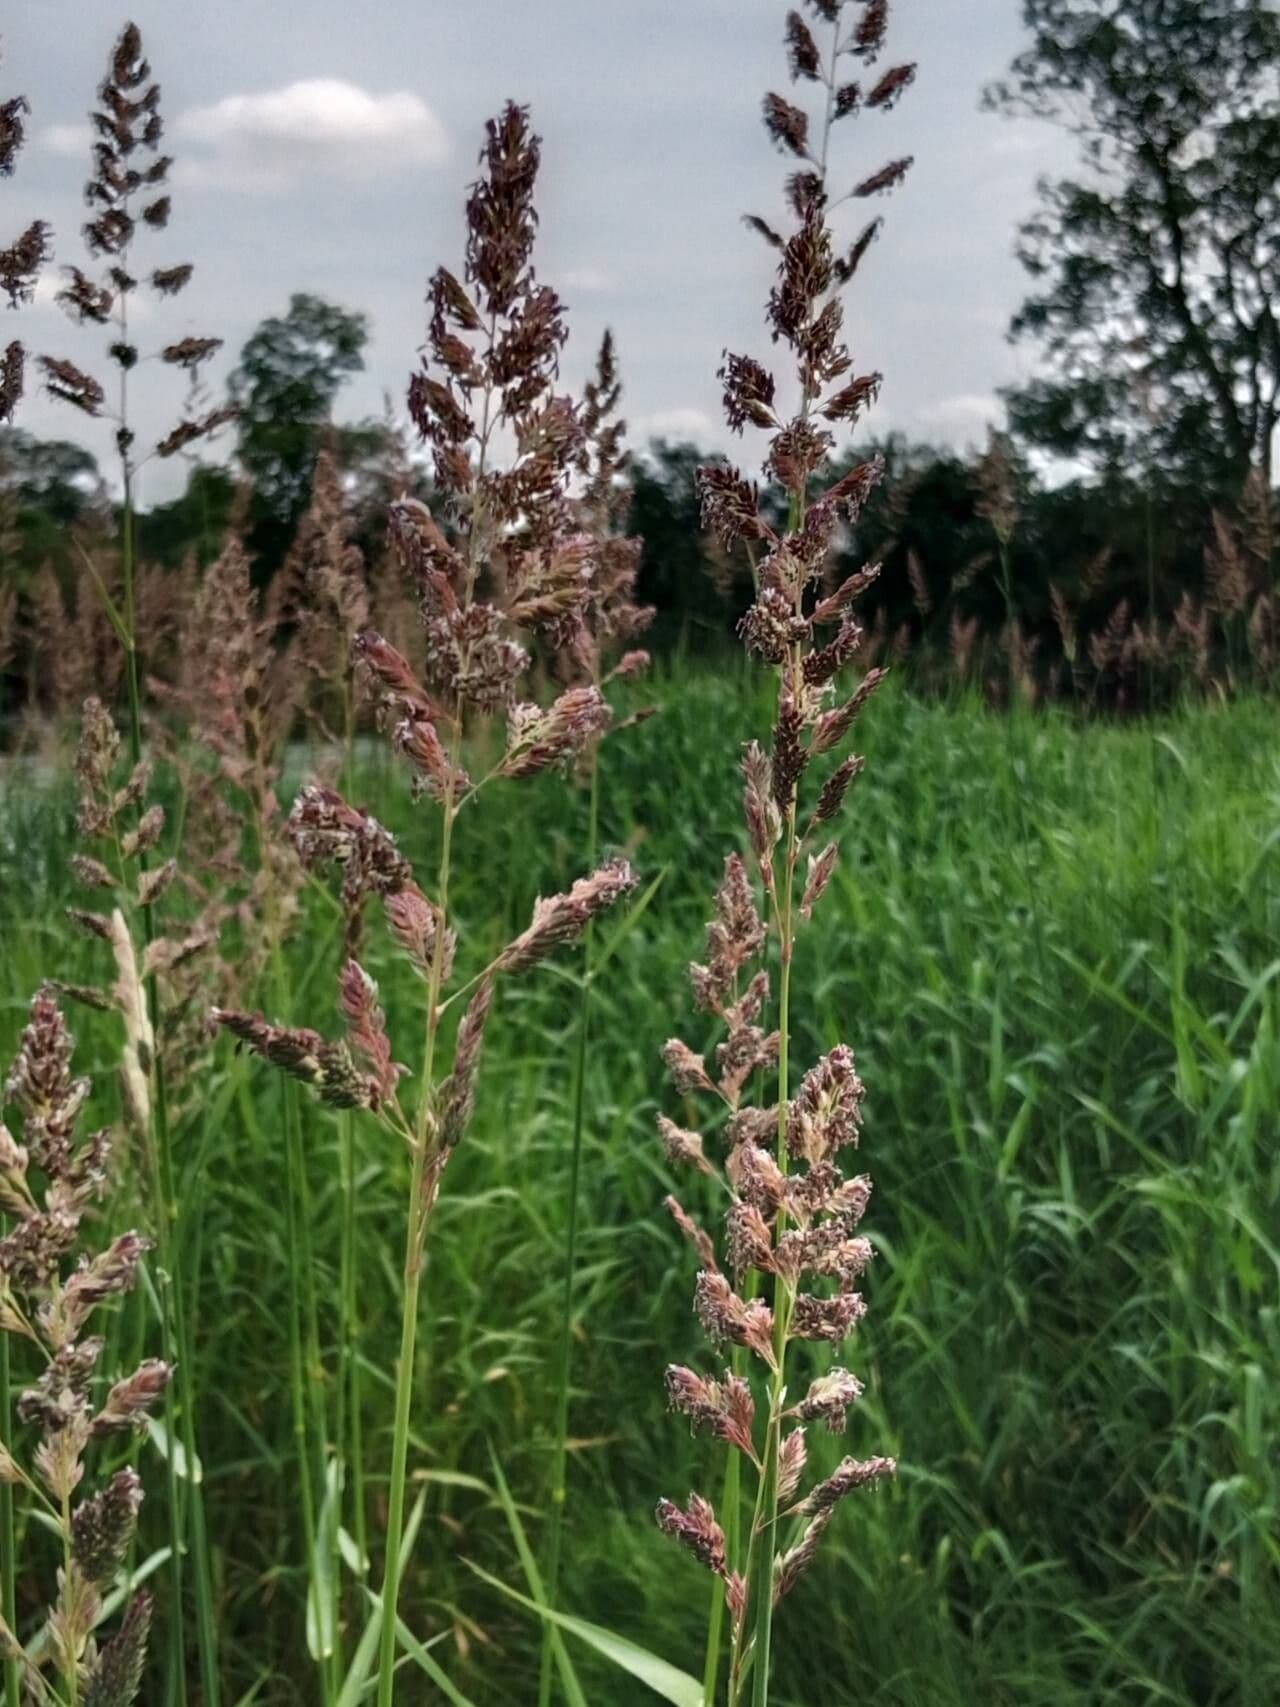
1056	951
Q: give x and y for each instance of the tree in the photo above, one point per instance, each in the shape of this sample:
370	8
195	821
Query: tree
1156	271
196	521
289	373
697	592
377	467
48	487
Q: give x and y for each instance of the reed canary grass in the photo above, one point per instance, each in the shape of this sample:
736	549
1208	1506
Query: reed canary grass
595	648
513	561
115	818
51	1285
793	1257
127	196
20	265
21	262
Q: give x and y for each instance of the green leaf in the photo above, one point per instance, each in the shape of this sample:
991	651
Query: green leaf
111	1603
664	1679
321	1588
114	615
417	1652
564	1665
362	1661
158	1435
613	942
359	1672
452	1479
1170	747
356	1561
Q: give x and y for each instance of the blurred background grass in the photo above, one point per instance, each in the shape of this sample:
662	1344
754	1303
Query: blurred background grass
1054	948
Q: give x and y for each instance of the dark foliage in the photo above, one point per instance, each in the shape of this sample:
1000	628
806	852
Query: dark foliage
1155	271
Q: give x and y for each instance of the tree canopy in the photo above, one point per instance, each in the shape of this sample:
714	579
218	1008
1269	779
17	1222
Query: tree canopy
289	373
1156	270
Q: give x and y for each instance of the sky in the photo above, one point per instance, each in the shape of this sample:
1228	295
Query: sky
327	148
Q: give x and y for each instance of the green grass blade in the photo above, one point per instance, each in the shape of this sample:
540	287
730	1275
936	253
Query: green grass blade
533	1576
417	1652
616	937
360	1672
659	1675
321	1598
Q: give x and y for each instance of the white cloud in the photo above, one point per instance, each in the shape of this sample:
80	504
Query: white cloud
676	424
962	420
321	127
67	139
589	281
1023	141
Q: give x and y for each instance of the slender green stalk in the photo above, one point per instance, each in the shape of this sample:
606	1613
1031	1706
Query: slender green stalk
421	1203
422	1191
760	1582
305	1364
297	1362
348	1425
564	1354
316	1419
303	1435
164	1204
72	1673
180	1395
176	1681
729	1516
350	1429
303	1332
8	1546
414	1240
342	1456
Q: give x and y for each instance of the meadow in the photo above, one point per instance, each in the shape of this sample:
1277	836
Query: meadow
440	1034
1053	946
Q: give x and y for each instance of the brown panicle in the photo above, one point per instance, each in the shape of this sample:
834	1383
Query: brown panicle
127	196
48	1295
789	1225
503	555
591	632
20	263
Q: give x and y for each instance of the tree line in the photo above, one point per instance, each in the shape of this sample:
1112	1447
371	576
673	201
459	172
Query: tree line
1154	278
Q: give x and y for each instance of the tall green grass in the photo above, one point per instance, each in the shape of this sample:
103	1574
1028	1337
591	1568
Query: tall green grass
1062	978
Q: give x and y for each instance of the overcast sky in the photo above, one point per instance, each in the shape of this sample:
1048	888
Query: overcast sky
326	147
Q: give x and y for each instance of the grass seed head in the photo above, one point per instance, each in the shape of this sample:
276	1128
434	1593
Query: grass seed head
48	1295
792	1213
559	919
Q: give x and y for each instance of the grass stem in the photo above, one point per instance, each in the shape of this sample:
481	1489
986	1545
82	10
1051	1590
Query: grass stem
8	1544
564	1352
179	1396
422	1192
